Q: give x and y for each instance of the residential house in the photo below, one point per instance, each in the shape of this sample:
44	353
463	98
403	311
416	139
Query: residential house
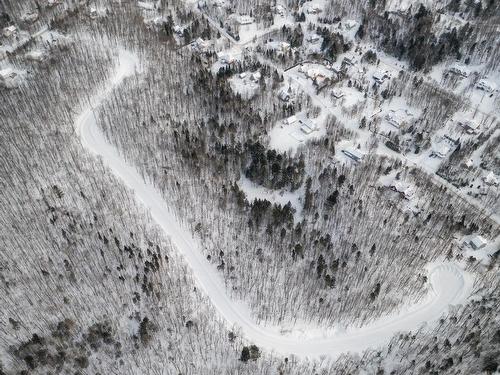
355	155
490	179
283	47
313	38
226	58
471	127
349	60
255	76
454	139
8	77
459	71
307	126
337	71
441	150
53	3
178	29
30	16
93	14
398	118
201	45
36	55
318	75
280	10
349	24
245	20
9	31
337	94
314	9
146	5
291	120
485	86
476	242
285	94
380	77
219	3
320	81
406	190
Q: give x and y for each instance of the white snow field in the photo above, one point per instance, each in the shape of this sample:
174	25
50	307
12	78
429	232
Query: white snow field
449	284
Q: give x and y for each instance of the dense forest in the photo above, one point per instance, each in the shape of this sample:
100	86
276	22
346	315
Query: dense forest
89	283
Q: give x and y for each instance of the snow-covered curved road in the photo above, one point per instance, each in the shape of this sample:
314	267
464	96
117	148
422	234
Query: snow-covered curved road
449	284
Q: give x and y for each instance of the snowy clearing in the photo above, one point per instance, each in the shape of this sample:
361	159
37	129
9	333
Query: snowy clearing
449	284
254	191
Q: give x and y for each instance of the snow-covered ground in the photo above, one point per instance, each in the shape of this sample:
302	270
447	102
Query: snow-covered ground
254	191
287	137
245	84
449	284
11	77
481	102
341	109
483	254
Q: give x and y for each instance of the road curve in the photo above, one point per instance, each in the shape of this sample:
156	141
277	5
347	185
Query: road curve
449	284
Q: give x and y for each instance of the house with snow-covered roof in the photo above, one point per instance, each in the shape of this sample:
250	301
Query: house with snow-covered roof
406	190
285	94
9	77
30	16
337	70
476	242
279	9
355	155
283	47
490	179
245	20
178	29
307	126
321	81
470	127
349	60
380	77
337	94
349	24
314	9
441	150
485	85
219	3
226	58
93	14
255	76
36	55
146	5
9	31
202	45
313	38
459	70
53	3
6	74
398	118
290	120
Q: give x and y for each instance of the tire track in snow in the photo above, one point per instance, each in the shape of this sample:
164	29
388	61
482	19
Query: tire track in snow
450	285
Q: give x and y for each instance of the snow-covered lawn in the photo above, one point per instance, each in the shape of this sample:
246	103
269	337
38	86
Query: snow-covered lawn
288	137
483	101
245	84
254	191
11	77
